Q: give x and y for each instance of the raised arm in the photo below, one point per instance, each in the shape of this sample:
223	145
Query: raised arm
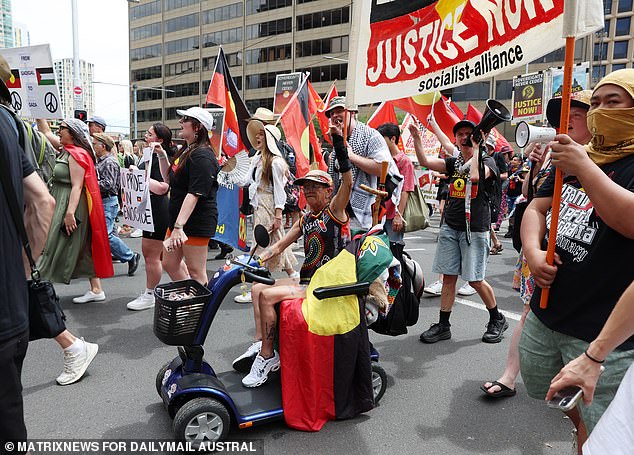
340	200
44	128
442	137
435	164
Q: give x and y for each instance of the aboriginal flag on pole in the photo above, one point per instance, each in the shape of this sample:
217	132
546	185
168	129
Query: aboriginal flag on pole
321	115
420	106
224	93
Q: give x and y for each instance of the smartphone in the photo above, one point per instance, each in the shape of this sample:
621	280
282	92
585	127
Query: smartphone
566	399
63	227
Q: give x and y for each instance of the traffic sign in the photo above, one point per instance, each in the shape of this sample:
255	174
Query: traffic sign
77	91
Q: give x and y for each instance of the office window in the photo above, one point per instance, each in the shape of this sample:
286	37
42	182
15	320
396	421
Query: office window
618	66
148	9
471	92
258	6
600	51
189	89
232	35
268	54
181	23
598	72
174	69
625	6
323	18
607	6
252	105
620	49
504	89
606	27
623	26
173	4
222	13
322	46
181	45
327	73
147	95
146	31
271	28
153	72
149	115
142	53
262	80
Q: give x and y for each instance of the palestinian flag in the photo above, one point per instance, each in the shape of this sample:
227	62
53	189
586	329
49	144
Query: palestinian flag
420	106
324	347
224	93
14	80
475	116
45	76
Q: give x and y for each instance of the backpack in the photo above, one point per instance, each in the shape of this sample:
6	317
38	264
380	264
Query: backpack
288	153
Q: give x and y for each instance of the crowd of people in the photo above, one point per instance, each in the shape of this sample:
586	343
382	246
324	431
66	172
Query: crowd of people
74	230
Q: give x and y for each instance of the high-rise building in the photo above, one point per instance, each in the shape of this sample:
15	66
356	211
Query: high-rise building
6	24
64	77
614	45
21	35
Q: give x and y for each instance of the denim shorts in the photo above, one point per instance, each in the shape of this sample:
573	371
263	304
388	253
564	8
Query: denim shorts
454	256
544	352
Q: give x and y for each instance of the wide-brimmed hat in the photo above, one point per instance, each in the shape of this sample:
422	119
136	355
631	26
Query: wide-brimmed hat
316	175
578	99
5	75
463	124
200	114
264	115
336	101
271	133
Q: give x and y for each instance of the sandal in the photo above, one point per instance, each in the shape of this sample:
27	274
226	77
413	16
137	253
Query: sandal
504	391
497	249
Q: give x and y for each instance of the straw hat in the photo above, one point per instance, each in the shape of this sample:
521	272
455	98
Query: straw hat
264	115
271	133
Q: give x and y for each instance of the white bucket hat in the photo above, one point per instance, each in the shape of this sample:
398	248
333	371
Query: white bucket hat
271	133
200	114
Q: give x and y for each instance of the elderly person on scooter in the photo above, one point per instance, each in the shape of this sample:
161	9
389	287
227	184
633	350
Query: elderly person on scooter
326	232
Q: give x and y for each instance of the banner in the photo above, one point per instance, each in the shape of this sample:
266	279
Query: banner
135	198
285	87
399	48
231	228
215	134
34	92
528	98
431	144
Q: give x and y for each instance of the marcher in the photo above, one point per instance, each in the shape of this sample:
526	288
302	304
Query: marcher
496	195
109	177
595	238
127	150
96	124
455	255
193	213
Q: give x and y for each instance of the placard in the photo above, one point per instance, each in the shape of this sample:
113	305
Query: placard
528	98
215	134
135	198
285	87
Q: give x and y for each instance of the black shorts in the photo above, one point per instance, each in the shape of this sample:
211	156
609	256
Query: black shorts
160	216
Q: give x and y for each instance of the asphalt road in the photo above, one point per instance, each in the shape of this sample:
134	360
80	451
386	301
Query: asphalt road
433	404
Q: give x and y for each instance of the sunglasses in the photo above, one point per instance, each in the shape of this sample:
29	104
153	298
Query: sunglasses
186	118
63	127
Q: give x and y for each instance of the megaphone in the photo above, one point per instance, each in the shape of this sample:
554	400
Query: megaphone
494	114
525	134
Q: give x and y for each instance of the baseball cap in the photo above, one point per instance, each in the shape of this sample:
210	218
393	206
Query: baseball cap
577	99
462	124
98	120
316	175
200	114
336	101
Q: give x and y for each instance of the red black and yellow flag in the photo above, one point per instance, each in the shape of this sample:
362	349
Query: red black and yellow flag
420	106
224	93
14	80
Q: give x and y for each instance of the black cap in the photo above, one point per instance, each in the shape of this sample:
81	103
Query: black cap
463	124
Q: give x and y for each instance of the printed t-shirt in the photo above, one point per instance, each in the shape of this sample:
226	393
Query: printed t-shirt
406	168
455	208
596	267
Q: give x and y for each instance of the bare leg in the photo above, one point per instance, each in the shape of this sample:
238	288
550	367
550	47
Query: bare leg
268	318
196	261
256	290
95	285
448	296
152	251
485	291
173	264
65	339
582	432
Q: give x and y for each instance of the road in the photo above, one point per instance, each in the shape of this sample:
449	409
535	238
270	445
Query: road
433	404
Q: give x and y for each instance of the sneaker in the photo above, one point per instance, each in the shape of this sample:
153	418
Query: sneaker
435	288
466	289
143	302
244	363
224	251
243	298
495	329
90	297
260	370
136	233
75	365
436	332
133	264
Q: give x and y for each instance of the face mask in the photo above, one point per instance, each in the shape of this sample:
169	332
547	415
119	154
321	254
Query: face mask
611	129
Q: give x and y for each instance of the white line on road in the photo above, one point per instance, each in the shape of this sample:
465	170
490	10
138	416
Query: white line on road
415	249
480	306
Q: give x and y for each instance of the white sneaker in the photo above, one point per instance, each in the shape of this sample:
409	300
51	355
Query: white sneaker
261	369
75	365
143	302
466	289
435	288
243	298
90	297
243	363
136	233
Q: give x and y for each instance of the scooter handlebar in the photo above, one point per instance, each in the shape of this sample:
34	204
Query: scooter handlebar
258	278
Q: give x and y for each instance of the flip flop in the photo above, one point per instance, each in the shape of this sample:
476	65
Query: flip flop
496	249
503	392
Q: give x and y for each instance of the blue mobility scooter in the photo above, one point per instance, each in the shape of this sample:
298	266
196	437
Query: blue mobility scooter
204	403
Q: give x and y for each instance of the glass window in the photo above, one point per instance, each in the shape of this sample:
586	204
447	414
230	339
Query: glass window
618	66
503	89
471	92
606	27
607	6
620	49
153	72
625	6
147	9
181	23
600	51
173	4
181	45
598	72
145	52
623	26
222	13
146	31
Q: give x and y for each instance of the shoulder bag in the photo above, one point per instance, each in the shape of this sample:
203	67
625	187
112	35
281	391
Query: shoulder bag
46	317
416	214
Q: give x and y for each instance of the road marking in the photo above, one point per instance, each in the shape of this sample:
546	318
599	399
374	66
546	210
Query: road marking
480	306
413	237
415	249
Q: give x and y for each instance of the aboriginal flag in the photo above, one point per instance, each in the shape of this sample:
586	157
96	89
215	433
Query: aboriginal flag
224	93
420	106
324	347
321	115
14	80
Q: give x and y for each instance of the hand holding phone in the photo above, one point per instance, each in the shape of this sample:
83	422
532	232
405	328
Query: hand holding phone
566	399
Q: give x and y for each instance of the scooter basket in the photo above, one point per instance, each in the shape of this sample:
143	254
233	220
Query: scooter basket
178	311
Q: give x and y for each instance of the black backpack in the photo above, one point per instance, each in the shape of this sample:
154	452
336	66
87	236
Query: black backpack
288	153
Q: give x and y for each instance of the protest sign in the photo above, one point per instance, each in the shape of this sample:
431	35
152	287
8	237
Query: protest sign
580	79
34	92
399	48
285	87
528	98
215	134
135	197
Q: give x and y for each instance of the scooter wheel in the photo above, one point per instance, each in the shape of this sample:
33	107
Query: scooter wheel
379	382
201	420
159	377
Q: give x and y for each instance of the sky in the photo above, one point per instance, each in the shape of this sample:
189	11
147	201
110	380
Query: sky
103	41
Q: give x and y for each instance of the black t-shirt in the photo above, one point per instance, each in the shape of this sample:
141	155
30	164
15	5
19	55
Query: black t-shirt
496	184
159	202
14	301
596	267
455	208
198	176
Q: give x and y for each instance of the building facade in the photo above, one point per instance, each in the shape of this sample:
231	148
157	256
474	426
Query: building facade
173	45
21	35
6	24
64	77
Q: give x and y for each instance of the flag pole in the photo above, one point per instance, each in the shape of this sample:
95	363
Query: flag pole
559	176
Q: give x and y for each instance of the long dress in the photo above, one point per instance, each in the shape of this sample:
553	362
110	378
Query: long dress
66	257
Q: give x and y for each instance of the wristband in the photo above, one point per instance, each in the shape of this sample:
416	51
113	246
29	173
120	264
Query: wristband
592	358
178	226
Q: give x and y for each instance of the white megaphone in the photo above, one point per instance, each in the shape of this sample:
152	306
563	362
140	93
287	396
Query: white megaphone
525	134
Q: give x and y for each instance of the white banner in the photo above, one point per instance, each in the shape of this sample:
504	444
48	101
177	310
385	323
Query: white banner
34	91
135	197
401	48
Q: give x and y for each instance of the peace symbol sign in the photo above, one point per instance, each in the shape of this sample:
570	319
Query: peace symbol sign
16	101
50	102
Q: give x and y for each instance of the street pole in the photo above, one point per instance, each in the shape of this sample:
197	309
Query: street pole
77	88
134	89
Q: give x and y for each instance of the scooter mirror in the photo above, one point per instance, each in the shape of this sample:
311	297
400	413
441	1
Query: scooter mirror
261	236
